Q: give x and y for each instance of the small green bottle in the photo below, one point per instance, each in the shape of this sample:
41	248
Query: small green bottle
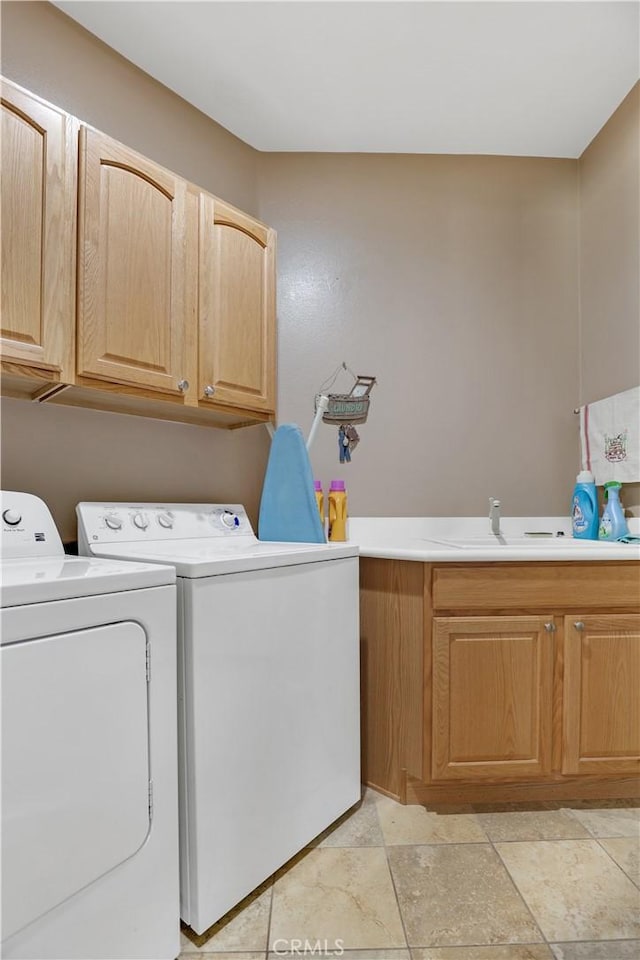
613	525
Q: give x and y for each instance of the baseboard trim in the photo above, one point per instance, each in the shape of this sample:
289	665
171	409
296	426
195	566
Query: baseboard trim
578	788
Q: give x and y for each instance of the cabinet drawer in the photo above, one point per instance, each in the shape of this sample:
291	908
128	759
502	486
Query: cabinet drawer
545	585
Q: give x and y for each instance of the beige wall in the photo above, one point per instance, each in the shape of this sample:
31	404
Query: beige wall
609	172
53	56
65	455
454	281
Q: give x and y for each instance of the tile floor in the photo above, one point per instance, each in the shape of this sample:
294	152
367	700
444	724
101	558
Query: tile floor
387	882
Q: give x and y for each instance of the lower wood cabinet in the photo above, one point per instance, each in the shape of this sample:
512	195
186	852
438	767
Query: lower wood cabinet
538	698
601	698
492	697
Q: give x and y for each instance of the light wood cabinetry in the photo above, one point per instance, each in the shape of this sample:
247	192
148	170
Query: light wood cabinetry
601	695
236	308
391	606
492	697
39	157
175	288
134	322
519	680
551	586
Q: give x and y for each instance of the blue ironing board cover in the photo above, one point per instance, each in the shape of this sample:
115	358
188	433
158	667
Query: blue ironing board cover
288	509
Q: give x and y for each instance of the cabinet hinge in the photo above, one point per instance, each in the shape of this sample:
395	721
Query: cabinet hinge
148	660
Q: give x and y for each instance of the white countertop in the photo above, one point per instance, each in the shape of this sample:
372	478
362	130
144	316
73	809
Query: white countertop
469	539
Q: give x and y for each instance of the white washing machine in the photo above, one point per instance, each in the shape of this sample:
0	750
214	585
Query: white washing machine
89	753
269	706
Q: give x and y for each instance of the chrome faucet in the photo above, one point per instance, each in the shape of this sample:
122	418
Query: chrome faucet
494	516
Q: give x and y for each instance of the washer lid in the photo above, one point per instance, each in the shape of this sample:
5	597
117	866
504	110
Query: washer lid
211	557
24	581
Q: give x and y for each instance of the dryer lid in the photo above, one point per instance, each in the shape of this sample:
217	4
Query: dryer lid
25	581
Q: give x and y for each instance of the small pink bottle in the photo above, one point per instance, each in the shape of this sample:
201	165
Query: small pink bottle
337	511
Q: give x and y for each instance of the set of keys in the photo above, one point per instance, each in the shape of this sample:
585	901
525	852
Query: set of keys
347	441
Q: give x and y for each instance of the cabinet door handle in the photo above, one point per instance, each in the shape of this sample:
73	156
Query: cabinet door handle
579	625
209	391
183	385
550	627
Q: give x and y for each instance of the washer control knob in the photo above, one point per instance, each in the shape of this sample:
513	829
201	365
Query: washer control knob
113	522
140	521
230	520
12	517
165	520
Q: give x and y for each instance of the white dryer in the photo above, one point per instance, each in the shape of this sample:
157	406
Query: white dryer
269	706
89	753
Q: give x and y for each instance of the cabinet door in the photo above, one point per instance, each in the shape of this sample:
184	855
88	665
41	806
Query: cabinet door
39	157
492	697
601	703
236	308
134	323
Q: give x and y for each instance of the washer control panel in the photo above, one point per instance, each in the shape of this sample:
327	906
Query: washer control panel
131	522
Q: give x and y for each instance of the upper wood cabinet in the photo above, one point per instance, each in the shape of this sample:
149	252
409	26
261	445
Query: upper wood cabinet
38	202
135	300
601	695
492	694
124	287
236	308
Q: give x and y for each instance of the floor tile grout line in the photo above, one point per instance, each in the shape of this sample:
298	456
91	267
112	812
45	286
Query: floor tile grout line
574	813
273	886
558	839
619	866
500	860
395	893
520	894
393	882
489	841
357	847
502	943
549	942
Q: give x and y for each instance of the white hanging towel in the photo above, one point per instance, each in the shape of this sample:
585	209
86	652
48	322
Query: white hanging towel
610	437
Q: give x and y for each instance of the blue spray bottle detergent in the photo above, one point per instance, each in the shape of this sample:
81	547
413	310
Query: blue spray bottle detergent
584	507
613	525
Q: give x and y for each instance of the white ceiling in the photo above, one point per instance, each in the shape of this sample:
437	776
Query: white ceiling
515	78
